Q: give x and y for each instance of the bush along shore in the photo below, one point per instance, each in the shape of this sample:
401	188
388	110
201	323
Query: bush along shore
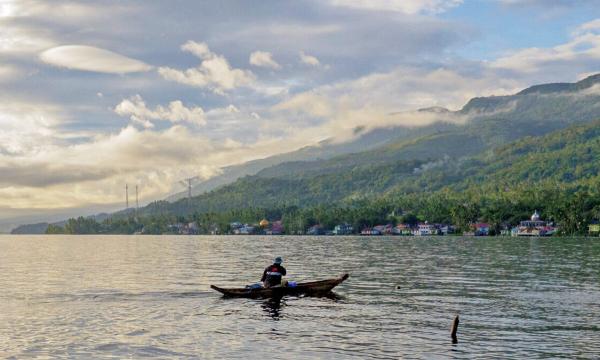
570	211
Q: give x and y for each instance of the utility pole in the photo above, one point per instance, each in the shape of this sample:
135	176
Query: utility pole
137	204
126	196
188	182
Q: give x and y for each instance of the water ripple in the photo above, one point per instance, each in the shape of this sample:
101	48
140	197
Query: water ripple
150	297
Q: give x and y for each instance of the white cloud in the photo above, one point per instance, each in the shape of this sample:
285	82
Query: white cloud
403	6
309	59
34	25
214	71
95	171
154	160
385	99
581	52
27	128
136	109
588	27
64	9
263	59
89	58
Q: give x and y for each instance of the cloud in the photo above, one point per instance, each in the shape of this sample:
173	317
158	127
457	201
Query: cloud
34	25
213	72
175	112
588	27
27	127
21	39
309	59
263	59
29	175
386	99
403	6
32	8
581	52
94	171
89	58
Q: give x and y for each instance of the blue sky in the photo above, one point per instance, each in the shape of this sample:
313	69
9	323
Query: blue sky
507	26
94	95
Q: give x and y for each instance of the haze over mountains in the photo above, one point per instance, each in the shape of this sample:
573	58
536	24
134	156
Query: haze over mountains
393	159
483	123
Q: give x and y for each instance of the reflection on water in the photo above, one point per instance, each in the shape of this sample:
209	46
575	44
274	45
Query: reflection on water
273	306
135	297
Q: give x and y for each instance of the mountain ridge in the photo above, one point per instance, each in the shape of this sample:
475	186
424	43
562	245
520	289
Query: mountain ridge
493	122
479	108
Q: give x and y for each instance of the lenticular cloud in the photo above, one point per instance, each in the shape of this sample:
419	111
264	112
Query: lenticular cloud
89	58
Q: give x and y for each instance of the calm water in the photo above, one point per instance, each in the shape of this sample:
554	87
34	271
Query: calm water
135	297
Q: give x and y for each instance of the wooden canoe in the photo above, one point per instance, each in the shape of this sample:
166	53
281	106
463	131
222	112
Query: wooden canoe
308	288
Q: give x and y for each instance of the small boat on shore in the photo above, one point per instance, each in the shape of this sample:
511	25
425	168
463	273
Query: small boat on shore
313	288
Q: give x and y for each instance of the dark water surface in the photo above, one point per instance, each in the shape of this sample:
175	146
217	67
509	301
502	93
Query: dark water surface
144	296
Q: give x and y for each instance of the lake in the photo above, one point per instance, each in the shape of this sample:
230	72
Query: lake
149	296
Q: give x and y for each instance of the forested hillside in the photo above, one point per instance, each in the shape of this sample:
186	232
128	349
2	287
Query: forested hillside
482	124
551	173
455	174
556	174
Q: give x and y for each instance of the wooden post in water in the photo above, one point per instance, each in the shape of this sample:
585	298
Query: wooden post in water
454	329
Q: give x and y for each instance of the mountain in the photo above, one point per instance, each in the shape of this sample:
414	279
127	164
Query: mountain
557	174
584	84
462	155
489	122
566	158
325	150
483	123
38	228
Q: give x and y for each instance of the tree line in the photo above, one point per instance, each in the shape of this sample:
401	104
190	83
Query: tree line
571	209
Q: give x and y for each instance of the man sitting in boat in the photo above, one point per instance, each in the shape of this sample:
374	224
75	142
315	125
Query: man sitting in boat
273	273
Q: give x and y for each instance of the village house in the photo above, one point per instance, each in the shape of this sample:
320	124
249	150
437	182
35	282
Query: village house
425	229
343	229
370	231
402	229
534	227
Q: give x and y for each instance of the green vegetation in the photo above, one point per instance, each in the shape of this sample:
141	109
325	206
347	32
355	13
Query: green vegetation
558	174
483	124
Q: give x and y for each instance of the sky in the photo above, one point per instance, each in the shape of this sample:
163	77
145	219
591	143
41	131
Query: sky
98	94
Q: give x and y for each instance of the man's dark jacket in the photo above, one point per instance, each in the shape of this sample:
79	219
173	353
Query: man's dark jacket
272	275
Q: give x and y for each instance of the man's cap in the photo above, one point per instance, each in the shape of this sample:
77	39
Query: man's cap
278	260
